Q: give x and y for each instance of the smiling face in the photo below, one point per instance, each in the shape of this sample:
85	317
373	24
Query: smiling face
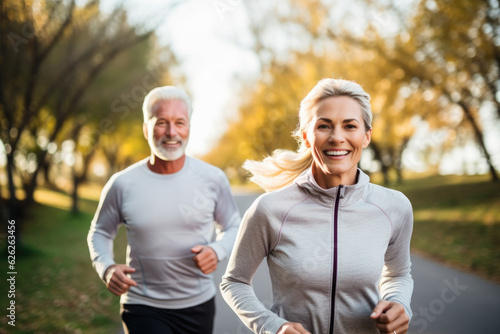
337	136
167	131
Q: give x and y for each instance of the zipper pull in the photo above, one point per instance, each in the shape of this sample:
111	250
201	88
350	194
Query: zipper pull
341	191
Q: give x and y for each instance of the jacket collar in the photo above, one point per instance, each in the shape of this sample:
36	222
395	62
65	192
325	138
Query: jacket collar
348	194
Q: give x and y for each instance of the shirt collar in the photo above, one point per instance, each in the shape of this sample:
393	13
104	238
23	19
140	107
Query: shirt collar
348	194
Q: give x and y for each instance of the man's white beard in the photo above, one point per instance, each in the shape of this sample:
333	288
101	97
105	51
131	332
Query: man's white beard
167	154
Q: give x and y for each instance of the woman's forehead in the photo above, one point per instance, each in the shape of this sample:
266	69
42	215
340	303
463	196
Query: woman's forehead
338	106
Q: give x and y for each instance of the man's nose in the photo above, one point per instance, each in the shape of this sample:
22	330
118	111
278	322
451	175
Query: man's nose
171	130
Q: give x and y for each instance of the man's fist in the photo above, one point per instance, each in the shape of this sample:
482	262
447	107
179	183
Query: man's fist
117	280
292	328
205	258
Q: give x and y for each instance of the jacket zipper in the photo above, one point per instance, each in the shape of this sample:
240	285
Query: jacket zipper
335	234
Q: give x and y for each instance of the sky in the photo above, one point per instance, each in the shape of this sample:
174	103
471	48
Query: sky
202	33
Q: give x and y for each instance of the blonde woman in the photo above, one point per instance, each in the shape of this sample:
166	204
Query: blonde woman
337	246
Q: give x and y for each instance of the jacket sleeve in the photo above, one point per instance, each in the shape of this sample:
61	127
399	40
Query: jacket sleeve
396	283
253	243
227	217
104	227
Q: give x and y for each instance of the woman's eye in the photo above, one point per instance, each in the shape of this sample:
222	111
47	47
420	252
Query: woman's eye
351	126
323	126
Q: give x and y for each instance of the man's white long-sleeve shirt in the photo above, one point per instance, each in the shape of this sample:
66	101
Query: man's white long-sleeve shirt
165	216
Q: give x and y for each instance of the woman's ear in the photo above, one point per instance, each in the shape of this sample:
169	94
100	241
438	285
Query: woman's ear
306	141
368	138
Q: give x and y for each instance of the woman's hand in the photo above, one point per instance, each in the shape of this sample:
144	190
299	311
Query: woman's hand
391	317
292	328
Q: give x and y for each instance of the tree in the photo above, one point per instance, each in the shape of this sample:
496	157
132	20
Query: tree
451	48
419	63
51	54
267	118
111	117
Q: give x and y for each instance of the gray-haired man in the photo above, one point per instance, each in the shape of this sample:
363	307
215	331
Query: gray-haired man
168	203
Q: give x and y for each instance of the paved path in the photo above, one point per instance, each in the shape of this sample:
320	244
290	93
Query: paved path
445	301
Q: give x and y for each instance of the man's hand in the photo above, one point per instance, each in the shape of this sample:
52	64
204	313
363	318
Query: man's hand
391	317
205	258
292	328
117	280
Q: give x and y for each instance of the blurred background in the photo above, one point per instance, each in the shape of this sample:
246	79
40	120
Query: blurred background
74	75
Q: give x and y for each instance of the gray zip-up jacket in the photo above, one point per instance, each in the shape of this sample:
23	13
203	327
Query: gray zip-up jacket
333	254
165	216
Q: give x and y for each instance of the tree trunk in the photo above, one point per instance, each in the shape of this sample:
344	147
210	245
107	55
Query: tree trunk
82	177
398	163
74	194
111	157
10	178
14	208
46	174
378	156
479	138
79	179
30	189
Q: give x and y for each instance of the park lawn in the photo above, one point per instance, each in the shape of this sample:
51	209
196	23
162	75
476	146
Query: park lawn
457	221
57	290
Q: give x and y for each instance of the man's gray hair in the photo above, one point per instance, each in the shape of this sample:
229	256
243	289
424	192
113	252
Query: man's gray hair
164	93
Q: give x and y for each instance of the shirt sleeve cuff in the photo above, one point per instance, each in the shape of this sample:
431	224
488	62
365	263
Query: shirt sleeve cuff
101	268
219	251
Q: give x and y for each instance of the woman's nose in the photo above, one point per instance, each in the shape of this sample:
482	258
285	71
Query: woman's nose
336	137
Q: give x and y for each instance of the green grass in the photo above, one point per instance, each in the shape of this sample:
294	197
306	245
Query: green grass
57	290
457	221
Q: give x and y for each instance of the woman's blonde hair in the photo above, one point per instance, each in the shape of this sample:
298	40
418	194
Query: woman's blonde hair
281	169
